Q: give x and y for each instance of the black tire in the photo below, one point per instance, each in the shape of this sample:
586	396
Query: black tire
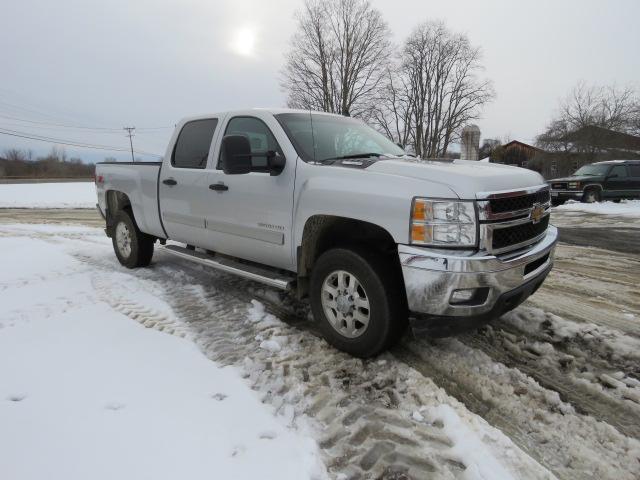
591	195
382	281
616	200
141	244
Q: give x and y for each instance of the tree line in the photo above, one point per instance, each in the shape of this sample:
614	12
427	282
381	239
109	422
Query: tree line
420	93
21	163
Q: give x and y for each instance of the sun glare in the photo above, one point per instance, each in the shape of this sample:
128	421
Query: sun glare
244	42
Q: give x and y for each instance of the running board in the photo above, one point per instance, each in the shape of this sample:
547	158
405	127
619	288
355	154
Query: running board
251	272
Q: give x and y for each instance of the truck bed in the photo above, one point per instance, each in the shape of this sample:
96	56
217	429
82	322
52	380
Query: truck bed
139	181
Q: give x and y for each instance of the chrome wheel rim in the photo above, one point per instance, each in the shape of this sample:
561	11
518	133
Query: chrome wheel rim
123	239
345	304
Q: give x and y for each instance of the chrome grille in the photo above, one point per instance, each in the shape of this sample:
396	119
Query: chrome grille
505	237
510	204
507	222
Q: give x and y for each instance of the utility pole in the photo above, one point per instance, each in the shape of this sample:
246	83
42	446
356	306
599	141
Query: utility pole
130	134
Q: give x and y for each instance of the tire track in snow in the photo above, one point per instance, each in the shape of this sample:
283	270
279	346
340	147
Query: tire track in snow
357	438
354	403
586	396
534	417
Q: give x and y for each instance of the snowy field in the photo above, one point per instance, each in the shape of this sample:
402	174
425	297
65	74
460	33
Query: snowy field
85	392
178	372
48	195
626	208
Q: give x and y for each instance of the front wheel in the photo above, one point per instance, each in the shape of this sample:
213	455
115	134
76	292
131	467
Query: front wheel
132	247
592	195
358	301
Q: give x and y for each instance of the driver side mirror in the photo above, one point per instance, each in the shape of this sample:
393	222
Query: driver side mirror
236	155
613	175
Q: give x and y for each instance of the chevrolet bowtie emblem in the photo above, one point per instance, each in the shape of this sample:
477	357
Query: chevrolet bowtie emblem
537	212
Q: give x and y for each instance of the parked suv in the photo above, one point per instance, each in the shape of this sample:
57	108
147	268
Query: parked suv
326	207
611	180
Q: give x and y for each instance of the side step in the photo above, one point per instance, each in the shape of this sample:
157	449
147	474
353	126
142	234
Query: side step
252	272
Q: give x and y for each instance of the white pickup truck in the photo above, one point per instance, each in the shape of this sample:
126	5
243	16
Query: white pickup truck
327	207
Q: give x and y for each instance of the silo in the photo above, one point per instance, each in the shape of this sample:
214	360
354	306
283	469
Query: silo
470	143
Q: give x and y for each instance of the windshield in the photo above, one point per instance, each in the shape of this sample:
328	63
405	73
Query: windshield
319	137
592	170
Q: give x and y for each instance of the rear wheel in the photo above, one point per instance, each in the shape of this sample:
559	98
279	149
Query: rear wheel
132	247
591	195
358	301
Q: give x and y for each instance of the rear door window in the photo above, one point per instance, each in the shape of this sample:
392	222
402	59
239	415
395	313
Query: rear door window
193	144
634	170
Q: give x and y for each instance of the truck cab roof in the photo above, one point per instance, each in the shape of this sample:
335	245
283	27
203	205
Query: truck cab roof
249	111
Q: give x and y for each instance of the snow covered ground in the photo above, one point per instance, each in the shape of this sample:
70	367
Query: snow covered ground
48	195
630	208
85	392
229	379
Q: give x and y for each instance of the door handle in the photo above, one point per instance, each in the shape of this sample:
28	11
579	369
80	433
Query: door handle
169	181
219	187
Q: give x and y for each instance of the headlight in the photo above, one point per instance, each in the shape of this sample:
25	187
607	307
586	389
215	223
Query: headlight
574	185
443	223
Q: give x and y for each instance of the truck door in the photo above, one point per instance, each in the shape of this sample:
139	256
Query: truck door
617	182
250	215
183	188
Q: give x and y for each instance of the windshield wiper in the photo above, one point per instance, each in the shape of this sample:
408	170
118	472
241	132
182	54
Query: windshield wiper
354	155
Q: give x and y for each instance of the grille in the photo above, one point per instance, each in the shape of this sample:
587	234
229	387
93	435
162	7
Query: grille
505	237
559	186
510	204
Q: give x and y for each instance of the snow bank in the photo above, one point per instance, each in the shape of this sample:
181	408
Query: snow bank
629	208
48	195
85	392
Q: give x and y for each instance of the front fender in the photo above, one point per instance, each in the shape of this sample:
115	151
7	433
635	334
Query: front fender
383	200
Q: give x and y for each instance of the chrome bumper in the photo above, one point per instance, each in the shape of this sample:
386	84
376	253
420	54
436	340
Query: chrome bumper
566	194
431	276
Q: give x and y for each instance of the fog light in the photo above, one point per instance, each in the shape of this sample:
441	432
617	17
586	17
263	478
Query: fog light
461	296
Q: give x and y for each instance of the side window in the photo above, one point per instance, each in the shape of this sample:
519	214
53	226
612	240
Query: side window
634	170
193	144
620	171
259	135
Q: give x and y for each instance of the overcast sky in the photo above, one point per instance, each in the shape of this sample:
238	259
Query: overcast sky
149	62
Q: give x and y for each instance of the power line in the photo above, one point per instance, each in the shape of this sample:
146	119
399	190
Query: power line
15	133
83	127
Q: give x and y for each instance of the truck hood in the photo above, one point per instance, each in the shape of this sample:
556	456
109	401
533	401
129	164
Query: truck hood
578	178
465	177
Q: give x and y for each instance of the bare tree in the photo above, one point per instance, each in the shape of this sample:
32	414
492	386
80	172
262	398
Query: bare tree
606	107
434	91
554	139
337	57
394	108
15	154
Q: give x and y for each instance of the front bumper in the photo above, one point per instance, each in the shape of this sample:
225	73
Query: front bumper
566	194
432	276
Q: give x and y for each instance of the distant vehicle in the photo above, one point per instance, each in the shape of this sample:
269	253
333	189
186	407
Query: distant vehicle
327	207
611	180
